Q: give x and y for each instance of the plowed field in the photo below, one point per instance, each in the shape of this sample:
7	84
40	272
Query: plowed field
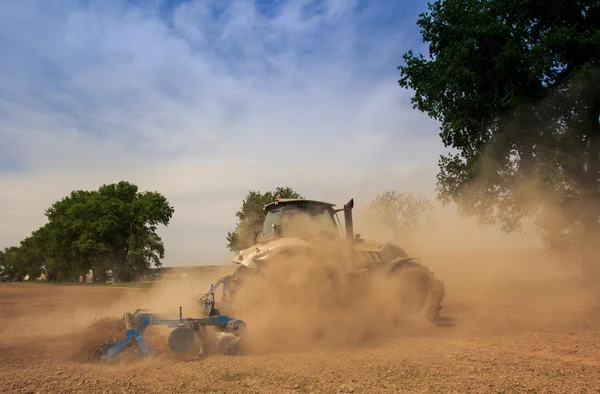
502	331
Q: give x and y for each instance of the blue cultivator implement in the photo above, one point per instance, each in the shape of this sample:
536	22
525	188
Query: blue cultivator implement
189	339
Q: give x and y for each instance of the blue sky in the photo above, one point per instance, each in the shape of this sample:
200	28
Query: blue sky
203	101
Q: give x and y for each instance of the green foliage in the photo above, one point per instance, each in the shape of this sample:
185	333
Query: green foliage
111	230
516	87
401	214
251	216
15	265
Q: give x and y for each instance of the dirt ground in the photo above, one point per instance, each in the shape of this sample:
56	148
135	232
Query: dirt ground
509	325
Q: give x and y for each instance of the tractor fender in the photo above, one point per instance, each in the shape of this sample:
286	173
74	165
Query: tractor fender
401	263
391	251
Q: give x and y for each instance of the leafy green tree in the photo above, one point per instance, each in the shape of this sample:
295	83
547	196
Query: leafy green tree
31	254
401	214
2	257
7	267
516	88
109	231
15	264
251	216
69	243
23	260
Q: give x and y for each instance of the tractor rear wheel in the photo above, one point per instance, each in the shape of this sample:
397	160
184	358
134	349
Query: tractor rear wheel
422	293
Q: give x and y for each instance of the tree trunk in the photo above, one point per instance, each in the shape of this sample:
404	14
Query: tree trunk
99	274
102	275
591	197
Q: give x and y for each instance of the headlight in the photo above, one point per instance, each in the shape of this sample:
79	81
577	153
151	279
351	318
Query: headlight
237	259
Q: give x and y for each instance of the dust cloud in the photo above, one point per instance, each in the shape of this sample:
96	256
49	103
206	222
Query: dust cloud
304	305
50	328
488	268
300	303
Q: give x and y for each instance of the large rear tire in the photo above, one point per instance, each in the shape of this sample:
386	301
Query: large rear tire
422	292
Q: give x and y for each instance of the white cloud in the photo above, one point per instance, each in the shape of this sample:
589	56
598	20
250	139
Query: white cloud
204	108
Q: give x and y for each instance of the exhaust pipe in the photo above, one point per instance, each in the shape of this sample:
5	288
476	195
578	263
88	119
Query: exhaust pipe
348	220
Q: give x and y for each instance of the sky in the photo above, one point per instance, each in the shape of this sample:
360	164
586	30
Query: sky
204	100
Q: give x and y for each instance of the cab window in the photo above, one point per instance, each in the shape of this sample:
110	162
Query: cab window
307	222
273	217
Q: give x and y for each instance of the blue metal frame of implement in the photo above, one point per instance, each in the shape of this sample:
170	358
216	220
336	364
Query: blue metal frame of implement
188	339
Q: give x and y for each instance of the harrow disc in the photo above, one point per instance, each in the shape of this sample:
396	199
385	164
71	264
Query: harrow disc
195	353
181	340
100	352
226	343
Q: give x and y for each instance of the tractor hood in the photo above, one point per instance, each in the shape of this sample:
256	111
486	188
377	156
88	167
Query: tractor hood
368	245
378	251
248	257
370	251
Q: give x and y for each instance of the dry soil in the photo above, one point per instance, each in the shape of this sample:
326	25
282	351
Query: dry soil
508	325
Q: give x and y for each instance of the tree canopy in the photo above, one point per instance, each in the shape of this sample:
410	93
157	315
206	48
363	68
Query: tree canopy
110	230
251	216
516	88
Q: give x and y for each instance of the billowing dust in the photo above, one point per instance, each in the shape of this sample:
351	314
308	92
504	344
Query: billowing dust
70	329
512	312
297	307
507	300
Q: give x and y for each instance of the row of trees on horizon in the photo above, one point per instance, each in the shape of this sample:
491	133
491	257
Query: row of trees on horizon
109	231
515	86
112	232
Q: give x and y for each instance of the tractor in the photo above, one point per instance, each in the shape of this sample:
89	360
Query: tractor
311	230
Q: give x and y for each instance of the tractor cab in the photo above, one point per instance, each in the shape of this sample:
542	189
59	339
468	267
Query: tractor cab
309	220
291	225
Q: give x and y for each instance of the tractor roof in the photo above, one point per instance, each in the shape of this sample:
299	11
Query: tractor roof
283	201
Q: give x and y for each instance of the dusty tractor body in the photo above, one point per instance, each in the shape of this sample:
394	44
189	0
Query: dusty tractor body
312	230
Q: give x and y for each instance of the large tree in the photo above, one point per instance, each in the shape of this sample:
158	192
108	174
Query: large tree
516	88
109	230
251	216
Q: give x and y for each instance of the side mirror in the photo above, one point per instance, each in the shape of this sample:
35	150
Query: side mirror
357	236
257	235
